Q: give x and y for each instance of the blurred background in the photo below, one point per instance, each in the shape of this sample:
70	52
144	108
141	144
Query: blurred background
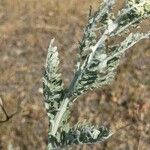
26	28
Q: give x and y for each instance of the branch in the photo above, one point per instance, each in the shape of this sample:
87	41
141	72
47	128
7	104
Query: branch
8	117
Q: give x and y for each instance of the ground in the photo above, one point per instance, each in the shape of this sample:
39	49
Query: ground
26	27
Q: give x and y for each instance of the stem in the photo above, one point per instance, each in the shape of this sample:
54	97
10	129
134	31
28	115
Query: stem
59	116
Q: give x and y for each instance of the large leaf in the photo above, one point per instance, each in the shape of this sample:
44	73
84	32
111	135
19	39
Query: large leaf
52	83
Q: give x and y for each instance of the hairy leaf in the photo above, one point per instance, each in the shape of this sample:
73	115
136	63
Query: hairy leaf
81	134
52	83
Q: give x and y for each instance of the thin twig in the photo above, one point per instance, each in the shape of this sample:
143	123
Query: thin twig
8	117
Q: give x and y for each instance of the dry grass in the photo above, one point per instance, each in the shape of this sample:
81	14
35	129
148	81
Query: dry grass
26	27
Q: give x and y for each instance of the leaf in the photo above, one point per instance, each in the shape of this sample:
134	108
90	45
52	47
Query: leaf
134	12
83	134
90	31
52	82
102	68
113	59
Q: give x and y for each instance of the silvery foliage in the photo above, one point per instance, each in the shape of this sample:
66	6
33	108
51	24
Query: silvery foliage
96	67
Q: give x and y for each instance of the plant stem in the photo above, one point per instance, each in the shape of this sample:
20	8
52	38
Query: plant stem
59	116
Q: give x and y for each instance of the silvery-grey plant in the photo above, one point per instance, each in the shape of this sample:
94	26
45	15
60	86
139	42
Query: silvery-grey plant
96	66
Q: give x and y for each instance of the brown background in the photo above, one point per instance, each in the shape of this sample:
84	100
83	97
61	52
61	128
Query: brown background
26	27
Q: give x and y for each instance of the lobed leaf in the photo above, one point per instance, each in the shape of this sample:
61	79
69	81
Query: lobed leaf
81	134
